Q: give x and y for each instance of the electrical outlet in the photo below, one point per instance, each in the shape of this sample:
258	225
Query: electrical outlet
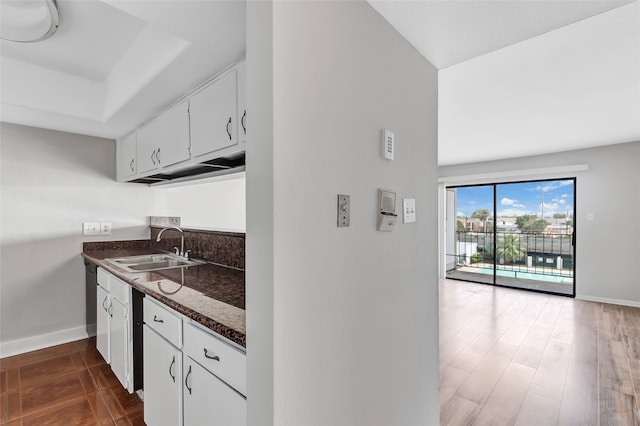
344	207
105	228
90	228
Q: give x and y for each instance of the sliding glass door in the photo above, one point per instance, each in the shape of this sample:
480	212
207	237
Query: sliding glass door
513	234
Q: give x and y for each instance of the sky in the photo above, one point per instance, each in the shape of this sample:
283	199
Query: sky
517	199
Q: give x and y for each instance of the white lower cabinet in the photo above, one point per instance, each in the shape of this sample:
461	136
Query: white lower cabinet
162	381
114	326
208	400
195	386
102	323
119	347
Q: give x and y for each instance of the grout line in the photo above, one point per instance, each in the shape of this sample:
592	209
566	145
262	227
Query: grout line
98	391
599	323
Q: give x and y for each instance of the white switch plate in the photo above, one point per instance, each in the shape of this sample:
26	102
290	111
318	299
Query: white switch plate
388	144
105	228
90	228
409	210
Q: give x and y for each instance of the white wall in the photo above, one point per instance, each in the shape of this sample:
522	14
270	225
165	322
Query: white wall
51	182
217	205
352	313
606	247
575	87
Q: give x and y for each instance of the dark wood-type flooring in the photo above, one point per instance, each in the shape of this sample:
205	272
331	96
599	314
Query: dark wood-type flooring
507	357
66	385
511	357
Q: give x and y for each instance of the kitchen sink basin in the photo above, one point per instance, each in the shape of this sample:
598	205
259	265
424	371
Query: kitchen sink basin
152	262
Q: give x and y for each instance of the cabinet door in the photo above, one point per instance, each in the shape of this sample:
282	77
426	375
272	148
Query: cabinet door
213	116
242	104
126	157
165	140
162	381
208	400
147	146
102	323
118	339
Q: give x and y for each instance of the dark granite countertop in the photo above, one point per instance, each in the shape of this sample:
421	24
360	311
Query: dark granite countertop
212	295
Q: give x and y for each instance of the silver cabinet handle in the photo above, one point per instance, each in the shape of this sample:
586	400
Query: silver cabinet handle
186	381
103	302
243	121
171	368
110	310
228	131
153	157
156	319
158	156
131	164
215	357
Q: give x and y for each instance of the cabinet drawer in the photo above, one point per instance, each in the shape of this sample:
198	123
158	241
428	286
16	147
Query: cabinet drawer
162	320
103	279
224	361
120	290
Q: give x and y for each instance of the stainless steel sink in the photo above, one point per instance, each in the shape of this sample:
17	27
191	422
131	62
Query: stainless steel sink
152	262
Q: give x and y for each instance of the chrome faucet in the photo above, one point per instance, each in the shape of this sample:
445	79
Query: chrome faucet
181	252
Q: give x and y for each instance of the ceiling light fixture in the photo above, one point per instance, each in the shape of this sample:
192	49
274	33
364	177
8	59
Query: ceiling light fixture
28	21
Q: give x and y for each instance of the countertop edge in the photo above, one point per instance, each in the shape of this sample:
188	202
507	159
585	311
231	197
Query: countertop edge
234	337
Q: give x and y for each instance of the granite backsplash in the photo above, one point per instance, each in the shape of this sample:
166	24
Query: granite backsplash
223	248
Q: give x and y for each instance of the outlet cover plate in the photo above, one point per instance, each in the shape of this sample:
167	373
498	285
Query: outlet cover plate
90	228
105	228
344	210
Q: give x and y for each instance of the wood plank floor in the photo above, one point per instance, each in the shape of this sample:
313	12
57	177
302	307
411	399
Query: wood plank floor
511	357
66	385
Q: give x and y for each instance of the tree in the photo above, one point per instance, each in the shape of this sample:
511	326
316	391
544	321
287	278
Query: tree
530	223
509	249
460	225
482	214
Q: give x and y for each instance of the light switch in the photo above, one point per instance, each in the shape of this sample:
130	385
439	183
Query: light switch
91	228
409	210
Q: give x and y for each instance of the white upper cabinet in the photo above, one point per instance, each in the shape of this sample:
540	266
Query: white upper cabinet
126	156
214	116
208	123
165	140
242	103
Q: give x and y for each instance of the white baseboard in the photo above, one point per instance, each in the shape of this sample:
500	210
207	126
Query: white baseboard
17	347
610	301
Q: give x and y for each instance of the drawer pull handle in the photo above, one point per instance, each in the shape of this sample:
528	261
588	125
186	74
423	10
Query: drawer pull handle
215	357
110	310
155	318
186	381
103	302
171	368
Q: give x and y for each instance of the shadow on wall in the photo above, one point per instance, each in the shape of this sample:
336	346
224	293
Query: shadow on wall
42	285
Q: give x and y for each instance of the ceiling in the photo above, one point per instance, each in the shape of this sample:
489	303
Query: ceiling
113	64
448	32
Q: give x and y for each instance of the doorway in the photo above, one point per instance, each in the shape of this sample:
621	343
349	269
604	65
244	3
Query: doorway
514	234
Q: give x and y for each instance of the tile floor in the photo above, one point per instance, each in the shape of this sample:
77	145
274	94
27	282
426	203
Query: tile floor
67	385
